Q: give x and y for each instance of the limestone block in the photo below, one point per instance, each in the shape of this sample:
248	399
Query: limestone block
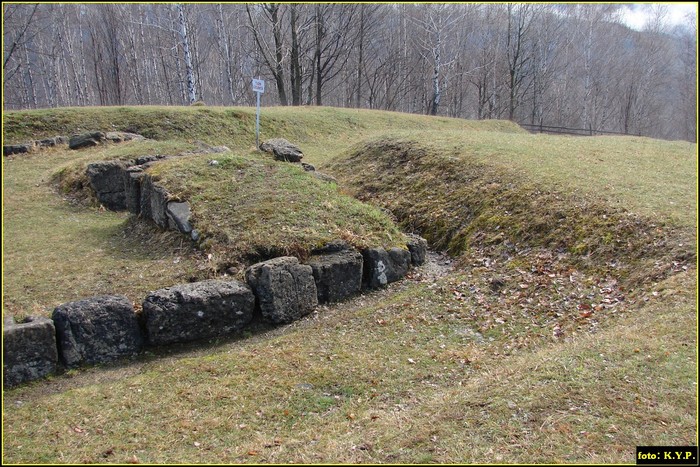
28	349
285	289
97	330
199	310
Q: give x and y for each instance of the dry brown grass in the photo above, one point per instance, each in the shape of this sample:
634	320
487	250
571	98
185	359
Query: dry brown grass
555	363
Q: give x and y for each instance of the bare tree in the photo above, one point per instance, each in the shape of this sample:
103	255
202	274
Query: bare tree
571	65
518	37
482	55
335	36
295	56
191	88
687	90
591	60
19	21
547	47
272	14
649	74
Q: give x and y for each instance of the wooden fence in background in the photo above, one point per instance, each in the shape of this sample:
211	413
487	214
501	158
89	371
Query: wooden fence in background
566	131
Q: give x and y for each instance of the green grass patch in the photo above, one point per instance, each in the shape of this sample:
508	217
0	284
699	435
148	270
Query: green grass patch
55	250
277	210
160	123
506	194
651	177
249	207
321	131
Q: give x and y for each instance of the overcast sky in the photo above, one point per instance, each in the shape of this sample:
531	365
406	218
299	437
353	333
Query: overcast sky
637	13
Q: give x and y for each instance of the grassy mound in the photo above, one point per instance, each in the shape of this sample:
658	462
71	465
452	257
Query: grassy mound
276	210
248	207
160	123
466	195
321	131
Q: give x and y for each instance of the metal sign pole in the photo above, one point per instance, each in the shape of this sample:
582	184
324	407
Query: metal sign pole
259	88
257	123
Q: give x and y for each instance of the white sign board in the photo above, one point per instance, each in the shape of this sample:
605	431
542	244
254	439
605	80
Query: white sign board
259	85
258	88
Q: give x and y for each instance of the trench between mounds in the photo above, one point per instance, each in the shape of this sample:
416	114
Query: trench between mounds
498	276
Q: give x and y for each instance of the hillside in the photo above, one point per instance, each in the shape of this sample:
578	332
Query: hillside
509	194
242	219
566	332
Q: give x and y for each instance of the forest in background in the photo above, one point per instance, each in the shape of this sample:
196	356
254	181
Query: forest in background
569	65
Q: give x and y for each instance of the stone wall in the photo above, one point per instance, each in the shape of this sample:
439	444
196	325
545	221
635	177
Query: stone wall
77	141
122	185
279	291
125	186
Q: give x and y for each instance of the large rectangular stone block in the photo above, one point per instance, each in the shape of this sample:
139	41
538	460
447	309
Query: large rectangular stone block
154	201
418	247
399	262
132	189
28	349
285	289
108	179
195	311
382	267
179	215
338	275
97	330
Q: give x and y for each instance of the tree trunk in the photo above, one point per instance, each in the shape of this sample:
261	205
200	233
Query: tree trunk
31	90
189	69
279	53
358	95
435	102
225	51
295	66
317	54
